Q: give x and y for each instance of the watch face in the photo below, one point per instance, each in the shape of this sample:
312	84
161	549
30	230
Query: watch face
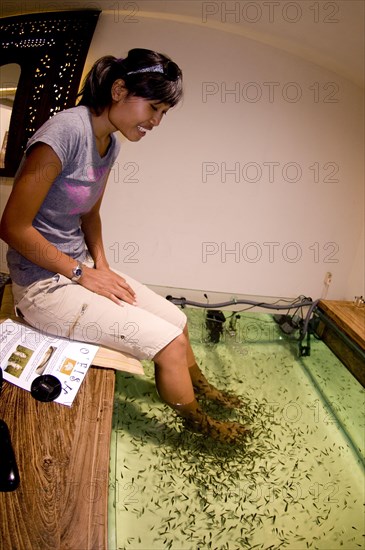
77	272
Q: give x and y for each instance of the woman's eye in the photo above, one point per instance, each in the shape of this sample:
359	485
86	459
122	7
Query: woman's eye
156	108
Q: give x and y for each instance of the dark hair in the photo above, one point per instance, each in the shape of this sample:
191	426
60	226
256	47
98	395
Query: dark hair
96	89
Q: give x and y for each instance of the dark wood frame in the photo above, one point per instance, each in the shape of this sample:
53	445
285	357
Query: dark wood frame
51	49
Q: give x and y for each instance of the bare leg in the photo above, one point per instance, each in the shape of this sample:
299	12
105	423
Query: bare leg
202	387
175	388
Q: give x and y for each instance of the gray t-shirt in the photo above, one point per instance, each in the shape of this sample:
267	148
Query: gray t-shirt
73	193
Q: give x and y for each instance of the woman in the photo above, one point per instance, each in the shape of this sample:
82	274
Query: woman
62	282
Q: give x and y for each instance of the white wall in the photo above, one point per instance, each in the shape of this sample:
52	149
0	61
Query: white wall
172	214
292	211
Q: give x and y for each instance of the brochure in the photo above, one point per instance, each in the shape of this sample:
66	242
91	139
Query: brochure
26	353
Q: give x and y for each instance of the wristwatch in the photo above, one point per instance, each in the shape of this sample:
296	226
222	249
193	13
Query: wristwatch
76	272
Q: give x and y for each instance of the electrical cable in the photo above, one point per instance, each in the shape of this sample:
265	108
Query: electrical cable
295	304
183	302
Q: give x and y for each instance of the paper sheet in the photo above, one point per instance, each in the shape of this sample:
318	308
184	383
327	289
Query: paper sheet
26	353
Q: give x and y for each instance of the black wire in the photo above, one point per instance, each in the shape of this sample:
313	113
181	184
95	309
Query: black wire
303	301
183	301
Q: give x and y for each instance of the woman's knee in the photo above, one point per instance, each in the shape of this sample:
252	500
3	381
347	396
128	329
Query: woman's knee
174	351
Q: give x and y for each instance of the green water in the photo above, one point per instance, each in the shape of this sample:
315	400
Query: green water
297	482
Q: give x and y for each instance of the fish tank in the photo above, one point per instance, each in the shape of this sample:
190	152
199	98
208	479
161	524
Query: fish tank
295	481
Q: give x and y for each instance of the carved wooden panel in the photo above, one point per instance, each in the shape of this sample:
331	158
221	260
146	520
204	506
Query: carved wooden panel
51	49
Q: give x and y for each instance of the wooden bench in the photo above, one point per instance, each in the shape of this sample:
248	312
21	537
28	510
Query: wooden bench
63	460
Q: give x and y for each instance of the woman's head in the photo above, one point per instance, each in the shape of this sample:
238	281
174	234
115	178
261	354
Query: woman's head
145	73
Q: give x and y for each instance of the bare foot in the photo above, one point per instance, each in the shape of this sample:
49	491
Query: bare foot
198	421
225	432
205	390
227	400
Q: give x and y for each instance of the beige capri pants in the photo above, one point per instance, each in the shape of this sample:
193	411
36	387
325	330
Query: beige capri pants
63	308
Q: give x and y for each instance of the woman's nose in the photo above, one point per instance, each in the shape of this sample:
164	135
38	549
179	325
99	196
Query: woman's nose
156	119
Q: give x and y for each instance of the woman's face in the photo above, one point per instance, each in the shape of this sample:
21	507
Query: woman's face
134	116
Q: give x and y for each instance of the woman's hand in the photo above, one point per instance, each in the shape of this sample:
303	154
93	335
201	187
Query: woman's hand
107	283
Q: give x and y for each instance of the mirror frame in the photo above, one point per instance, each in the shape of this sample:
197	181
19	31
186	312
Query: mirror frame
51	49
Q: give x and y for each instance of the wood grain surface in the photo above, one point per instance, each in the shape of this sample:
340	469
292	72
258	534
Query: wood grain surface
348	317
63	459
62	455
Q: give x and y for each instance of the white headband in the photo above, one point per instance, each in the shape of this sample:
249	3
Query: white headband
154	69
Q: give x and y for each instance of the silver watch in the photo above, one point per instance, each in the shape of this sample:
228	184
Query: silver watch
76	272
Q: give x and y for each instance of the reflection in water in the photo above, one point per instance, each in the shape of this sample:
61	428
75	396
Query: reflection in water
9	78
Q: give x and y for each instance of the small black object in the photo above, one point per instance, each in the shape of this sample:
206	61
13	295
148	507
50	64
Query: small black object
281	319
9	474
214	322
288	323
46	388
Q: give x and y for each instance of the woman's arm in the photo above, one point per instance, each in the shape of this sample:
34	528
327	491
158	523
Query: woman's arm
103	275
38	172
92	229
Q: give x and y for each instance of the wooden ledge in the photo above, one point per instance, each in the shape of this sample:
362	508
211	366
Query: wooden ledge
349	320
348	317
62	455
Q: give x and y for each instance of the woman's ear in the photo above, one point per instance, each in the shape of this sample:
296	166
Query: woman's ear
119	91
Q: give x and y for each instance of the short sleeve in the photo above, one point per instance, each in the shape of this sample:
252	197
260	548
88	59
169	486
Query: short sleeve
65	133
